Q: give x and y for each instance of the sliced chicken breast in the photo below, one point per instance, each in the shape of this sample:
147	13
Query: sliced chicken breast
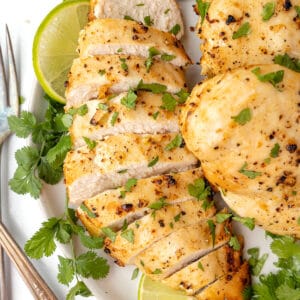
98	76
225	47
153	227
110	209
102	167
111	36
206	270
248	140
181	248
163	15
146	117
229	287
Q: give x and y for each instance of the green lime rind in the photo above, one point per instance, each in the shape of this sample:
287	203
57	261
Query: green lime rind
55	43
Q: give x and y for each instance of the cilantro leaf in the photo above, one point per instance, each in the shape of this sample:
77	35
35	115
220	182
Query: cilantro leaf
169	102
200	266
103	106
203	8
114	118
63	231
128	235
255	262
90	214
90	143
130	184
159	204
287	61
91	242
66	270
155	88
109	233
234	243
268	11
175	29
80	289
167	57
153	162
81	111
129	100
275	151
248	222
42	242
57	154
27	157
212	229
222	217
243	117
199	190
157	271
90	265
183	95
274	77
148	21
250	174
124	66
135	274
22	126
49	174
175	143
286	292
297	8
128	18
149	62
285	247
244	30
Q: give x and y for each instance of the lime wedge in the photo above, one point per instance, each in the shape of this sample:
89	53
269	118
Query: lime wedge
55	43
154	290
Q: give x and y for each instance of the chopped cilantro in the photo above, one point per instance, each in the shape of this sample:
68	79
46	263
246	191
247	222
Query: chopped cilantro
298	221
177	217
234	243
129	100
288	62
175	143
90	214
274	77
125	225
200	266
135	273
175	29
140	4
124	66
171	225
203	8
248	222
167	57
159	204
114	118
90	143
169	102
166	11
243	117
128	18
102	72
222	217
148	21
122	194
250	174
155	88
157	271
153	162
212	229
120	50
122	171
109	233
268	11
297	8
199	190
151	53
275	151
81	111
130	183
155	115
244	30
128	235
103	106
255	262
183	95
21	100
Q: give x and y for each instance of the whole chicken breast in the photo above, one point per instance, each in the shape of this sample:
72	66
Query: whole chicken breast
110	209
141	234
146	116
224	47
245	131
111	36
98	76
118	158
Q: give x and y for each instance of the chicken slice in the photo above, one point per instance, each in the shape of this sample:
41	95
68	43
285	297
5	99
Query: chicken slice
181	248
230	287
205	270
153	227
146	117
118	158
255	157
98	76
263	40
111	210
163	15
110	36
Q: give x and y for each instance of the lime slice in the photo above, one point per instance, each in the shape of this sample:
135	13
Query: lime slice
154	290
55	43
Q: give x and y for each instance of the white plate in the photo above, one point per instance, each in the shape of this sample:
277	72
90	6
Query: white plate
118	286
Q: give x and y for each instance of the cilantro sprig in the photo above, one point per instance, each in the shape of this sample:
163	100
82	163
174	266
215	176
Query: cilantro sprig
201	191
203	8
51	142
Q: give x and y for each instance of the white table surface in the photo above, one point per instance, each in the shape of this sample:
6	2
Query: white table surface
22	214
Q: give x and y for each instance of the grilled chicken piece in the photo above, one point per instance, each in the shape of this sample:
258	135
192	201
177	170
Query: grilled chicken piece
146	117
206	270
230	287
180	249
163	15
110	36
266	39
153	227
260	159
103	167
98	76
111	210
